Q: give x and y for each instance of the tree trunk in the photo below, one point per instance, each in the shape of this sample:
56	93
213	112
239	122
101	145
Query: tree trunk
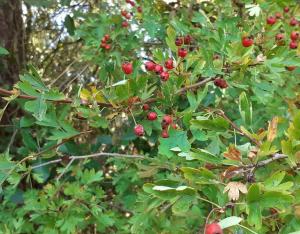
12	38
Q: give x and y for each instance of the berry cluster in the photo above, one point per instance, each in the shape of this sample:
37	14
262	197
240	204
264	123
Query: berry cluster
167	121
271	20
186	40
128	15
104	42
159	69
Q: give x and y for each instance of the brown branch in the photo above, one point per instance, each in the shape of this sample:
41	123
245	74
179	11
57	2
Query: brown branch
196	85
234	126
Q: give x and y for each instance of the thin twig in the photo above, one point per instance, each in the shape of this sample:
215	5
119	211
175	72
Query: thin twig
65	169
196	85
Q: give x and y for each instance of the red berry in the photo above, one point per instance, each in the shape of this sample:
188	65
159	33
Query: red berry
221	83
123	13
103	45
187	39
107	37
125	24
247	42
139	9
127	68
182	52
146	107
293	22
130	2
286	9
279	36
291	68
293	45
179	41
213	228
271	20
169	64
107	47
164	76
150	66
152	116
174	126
158	69
139	130
167	119
128	16
164	134
294	35
278	15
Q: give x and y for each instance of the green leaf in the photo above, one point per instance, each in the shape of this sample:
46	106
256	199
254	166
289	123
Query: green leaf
36	82
217	124
3	51
253	193
276	199
230	221
90	176
205	156
70	25
176	139
170	39
37	107
199	176
274	180
245	108
182	205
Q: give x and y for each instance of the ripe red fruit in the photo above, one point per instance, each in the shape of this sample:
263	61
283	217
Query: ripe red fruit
146	107
139	130
293	45
164	134
169	64
103	40
187	39
107	37
123	13
164	76
139	9
278	15
247	42
103	45
293	22
167	119
150	66
286	9
158	69
291	68
221	83
182	52
125	24
174	126
152	116
271	20
128	16
107	47
294	35
127	68
179	41
279	36
213	228
131	3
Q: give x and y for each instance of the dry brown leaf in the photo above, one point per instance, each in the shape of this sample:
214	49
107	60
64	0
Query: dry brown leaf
234	189
252	153
272	130
230	172
297	211
233	153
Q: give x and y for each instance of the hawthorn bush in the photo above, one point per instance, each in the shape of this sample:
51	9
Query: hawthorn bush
189	124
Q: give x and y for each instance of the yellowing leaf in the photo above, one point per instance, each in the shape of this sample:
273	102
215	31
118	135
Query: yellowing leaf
234	189
272	130
85	94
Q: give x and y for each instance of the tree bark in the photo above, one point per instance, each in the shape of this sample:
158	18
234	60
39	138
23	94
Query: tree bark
12	37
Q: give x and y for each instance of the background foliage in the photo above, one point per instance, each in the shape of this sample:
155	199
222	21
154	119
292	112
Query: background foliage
71	162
